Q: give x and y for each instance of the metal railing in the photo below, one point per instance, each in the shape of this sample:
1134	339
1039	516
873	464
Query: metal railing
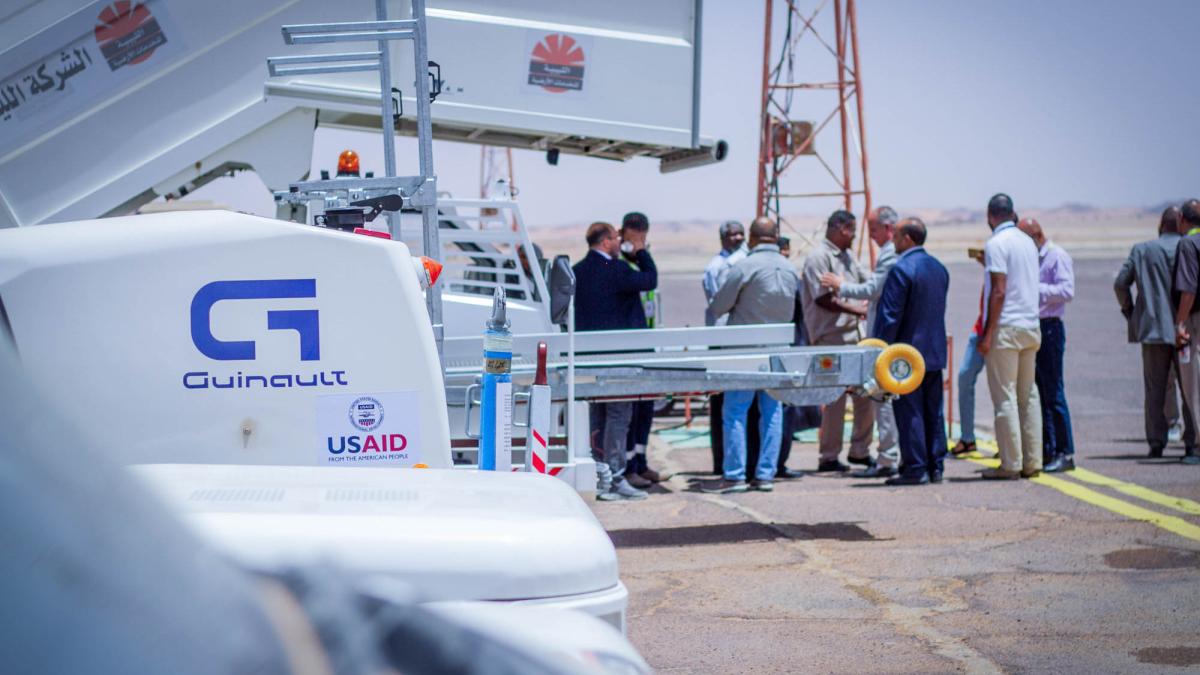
480	250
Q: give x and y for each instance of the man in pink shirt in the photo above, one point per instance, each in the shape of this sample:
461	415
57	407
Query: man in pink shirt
1056	287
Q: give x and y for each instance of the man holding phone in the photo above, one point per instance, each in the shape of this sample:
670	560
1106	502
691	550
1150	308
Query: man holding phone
635	227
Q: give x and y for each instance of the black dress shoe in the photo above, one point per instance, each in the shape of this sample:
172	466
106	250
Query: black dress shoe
877	471
935	477
1061	463
908	480
832	465
785	473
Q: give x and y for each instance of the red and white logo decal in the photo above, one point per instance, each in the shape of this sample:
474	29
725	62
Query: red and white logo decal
556	64
127	33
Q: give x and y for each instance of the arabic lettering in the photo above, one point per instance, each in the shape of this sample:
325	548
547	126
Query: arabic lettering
40	79
69	69
11	97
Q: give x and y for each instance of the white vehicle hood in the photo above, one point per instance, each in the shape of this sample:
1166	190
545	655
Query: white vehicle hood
451	534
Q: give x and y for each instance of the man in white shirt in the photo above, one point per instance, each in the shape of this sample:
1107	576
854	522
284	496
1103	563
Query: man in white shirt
1010	342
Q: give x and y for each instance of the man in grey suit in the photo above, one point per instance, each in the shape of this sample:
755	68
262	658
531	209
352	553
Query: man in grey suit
1150	318
881	226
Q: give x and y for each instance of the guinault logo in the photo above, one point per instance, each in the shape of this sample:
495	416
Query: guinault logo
305	322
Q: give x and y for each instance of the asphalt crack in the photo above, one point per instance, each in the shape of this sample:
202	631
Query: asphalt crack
910	621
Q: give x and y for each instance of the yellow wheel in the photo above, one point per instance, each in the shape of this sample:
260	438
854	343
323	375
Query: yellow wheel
900	369
872	342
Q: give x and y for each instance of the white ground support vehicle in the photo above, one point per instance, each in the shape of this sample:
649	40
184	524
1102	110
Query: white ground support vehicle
281	371
66	505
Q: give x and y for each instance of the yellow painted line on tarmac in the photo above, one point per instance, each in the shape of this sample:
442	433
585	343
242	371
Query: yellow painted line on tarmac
1120	507
1170	523
1134	490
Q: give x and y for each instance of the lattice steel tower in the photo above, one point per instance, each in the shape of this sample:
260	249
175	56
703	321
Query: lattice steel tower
803	76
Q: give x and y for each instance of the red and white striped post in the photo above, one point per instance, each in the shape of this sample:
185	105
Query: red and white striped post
536	450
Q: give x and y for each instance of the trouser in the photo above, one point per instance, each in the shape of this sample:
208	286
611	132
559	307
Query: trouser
609	424
716	431
833	423
968	372
922	427
885	423
1189	373
734	413
795	418
1171	405
1011	366
787	436
1057	438
1157	363
639	436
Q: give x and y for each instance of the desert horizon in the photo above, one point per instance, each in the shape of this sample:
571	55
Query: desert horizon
687	245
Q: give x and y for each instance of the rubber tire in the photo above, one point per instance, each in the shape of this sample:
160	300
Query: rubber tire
873	342
883	369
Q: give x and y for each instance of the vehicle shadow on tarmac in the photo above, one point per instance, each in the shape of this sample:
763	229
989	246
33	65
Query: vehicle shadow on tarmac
736	533
1139	458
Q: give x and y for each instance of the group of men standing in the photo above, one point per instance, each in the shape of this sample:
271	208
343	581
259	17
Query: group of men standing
1163	318
903	300
1019	338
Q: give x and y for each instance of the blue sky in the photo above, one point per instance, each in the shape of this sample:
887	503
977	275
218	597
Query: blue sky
1053	101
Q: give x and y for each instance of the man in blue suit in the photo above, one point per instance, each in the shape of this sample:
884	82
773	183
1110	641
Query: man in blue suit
912	309
608	297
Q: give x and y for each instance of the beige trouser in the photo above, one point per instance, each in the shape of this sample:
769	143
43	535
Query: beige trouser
1189	373
1010	374
833	421
833	418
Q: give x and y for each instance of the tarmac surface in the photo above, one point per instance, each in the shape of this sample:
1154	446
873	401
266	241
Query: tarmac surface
1093	571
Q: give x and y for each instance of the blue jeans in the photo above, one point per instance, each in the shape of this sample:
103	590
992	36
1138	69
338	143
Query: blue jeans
1056	418
968	372
770	430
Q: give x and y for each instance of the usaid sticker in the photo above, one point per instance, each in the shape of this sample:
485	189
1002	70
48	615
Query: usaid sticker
369	429
366	413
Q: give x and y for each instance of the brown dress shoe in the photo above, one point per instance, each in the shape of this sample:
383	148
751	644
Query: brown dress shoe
1030	473
999	474
638	481
652	476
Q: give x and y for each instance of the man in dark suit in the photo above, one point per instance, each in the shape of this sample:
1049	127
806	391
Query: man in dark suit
1150	320
912	309
608	297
